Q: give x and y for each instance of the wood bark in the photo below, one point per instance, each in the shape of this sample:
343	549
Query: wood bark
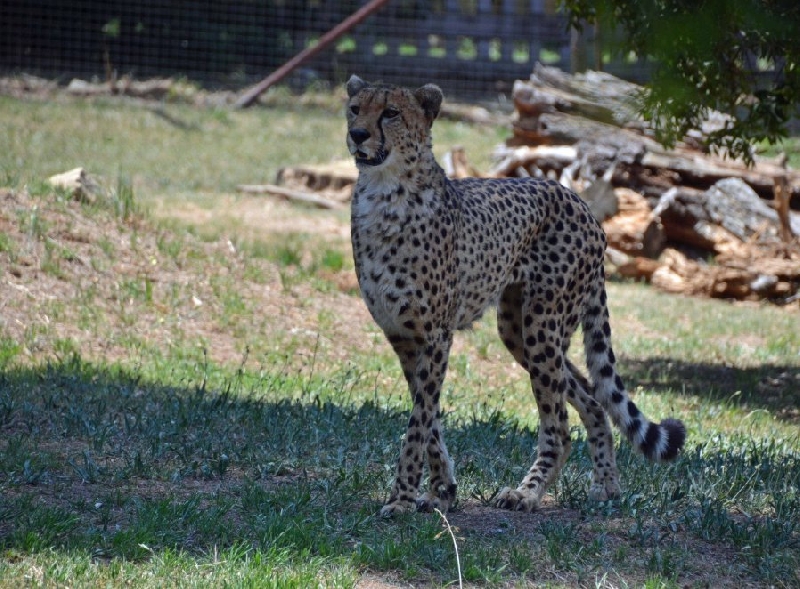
782	201
333	177
80	185
701	171
308	198
593	95
597	113
725	218
544	157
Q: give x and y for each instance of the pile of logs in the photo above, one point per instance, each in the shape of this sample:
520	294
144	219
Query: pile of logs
685	220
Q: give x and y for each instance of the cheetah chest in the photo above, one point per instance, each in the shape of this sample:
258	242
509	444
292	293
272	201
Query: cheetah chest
406	266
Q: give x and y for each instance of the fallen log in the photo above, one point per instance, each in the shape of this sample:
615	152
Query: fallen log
636	267
78	183
558	128
595	95
598	96
701	171
719	220
153	89
636	229
470	113
544	157
636	234
308	198
333	177
758	276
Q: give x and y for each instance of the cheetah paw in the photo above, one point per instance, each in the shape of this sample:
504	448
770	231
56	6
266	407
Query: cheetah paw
396	507
604	491
428	502
516	500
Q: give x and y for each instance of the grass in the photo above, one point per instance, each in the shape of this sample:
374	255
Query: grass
178	149
178	466
211	407
790	146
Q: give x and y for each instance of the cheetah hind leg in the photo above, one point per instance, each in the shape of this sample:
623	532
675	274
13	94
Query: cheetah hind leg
548	383
527	496
605	474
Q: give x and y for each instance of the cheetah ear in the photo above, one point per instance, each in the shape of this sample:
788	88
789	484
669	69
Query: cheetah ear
430	99
355	85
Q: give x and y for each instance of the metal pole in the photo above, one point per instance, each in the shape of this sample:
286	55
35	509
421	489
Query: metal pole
250	96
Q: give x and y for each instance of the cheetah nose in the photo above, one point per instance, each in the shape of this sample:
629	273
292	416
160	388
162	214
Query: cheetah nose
359	135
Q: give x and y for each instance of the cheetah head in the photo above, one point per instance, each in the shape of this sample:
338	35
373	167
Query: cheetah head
388	126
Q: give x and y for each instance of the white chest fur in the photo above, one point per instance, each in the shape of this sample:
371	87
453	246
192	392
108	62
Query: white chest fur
383	216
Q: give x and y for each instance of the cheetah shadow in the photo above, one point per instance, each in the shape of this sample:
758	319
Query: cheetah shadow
105	449
771	387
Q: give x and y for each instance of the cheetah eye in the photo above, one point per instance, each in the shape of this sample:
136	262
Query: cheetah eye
354	109
390	113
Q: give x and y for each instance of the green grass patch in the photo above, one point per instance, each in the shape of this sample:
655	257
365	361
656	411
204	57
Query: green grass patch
790	146
177	464
173	148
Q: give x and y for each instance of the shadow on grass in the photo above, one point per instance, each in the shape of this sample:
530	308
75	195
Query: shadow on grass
775	388
104	463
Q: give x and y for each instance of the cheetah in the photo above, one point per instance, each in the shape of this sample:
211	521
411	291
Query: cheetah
432	254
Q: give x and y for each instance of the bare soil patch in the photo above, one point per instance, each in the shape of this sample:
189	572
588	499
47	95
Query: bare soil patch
79	277
262	216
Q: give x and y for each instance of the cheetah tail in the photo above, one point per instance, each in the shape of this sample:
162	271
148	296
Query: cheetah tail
657	442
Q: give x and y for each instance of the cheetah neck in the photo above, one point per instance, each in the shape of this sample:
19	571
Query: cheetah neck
386	198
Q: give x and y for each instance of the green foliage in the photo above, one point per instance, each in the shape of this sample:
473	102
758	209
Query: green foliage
741	58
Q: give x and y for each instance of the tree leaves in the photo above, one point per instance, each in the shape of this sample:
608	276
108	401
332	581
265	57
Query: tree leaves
741	57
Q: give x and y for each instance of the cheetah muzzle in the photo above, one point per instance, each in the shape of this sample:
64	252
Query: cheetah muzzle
432	254
359	135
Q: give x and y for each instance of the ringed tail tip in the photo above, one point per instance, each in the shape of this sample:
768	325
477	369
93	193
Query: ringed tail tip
676	437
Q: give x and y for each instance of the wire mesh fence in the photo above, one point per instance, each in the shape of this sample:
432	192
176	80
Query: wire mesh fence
470	47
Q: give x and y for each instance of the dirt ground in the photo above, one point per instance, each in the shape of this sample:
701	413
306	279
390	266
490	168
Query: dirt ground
73	272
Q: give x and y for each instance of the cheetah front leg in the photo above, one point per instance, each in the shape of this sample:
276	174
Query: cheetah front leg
424	366
443	487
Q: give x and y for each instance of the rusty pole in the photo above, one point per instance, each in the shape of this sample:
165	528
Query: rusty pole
250	96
